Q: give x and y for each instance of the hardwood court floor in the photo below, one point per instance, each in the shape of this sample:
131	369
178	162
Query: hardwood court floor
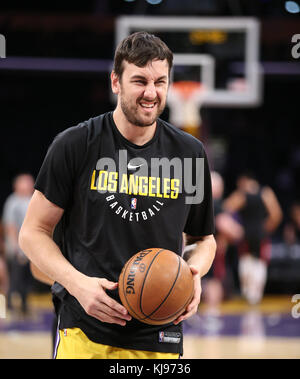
25	345
237	331
241	348
241	331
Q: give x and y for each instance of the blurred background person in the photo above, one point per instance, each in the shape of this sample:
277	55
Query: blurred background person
14	211
291	231
260	214
227	231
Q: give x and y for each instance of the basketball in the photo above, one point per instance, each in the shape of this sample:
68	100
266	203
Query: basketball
156	286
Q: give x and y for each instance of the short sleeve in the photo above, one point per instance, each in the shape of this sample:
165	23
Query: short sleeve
200	221
61	164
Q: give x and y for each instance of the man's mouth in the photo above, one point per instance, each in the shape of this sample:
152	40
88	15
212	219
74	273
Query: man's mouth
147	105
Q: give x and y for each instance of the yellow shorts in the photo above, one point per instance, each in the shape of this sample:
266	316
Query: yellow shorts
73	344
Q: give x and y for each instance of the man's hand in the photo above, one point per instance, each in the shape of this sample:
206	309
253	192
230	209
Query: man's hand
36	240
192	308
200	260
91	294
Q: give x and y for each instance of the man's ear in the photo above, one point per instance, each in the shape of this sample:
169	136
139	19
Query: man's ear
115	84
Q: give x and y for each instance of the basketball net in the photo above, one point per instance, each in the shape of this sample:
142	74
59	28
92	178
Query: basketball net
185	99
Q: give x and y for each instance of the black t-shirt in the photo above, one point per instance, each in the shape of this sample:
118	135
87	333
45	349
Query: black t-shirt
115	209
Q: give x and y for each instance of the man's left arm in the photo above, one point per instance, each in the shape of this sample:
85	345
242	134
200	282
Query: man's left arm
200	261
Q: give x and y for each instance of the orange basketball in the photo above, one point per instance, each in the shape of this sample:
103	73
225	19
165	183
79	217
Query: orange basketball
155	286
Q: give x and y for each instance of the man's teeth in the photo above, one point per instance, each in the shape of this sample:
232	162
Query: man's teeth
147	105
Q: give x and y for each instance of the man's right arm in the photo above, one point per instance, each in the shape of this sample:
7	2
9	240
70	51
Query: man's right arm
36	240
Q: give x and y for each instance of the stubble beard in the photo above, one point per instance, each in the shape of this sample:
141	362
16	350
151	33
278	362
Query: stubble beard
131	113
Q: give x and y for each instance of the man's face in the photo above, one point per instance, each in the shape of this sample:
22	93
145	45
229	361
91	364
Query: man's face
142	91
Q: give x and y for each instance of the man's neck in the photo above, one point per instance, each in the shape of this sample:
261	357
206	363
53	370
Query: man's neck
139	135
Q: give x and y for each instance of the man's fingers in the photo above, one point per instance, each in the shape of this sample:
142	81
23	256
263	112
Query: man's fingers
111	303
185	315
118	309
100	315
107	284
111	312
194	270
195	300
192	308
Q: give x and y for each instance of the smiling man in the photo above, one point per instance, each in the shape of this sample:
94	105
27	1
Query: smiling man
142	92
102	218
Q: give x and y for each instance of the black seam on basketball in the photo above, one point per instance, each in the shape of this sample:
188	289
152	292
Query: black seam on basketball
178	271
141	294
162	319
124	292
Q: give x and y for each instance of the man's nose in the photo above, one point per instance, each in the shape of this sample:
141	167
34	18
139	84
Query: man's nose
150	91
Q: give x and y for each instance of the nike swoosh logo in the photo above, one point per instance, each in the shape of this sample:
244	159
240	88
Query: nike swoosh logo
133	167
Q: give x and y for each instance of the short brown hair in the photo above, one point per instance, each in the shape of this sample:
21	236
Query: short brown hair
140	48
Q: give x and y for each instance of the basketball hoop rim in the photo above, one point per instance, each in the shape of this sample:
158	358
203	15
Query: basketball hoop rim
188	88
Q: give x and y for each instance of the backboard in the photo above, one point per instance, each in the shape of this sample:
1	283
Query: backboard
220	52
